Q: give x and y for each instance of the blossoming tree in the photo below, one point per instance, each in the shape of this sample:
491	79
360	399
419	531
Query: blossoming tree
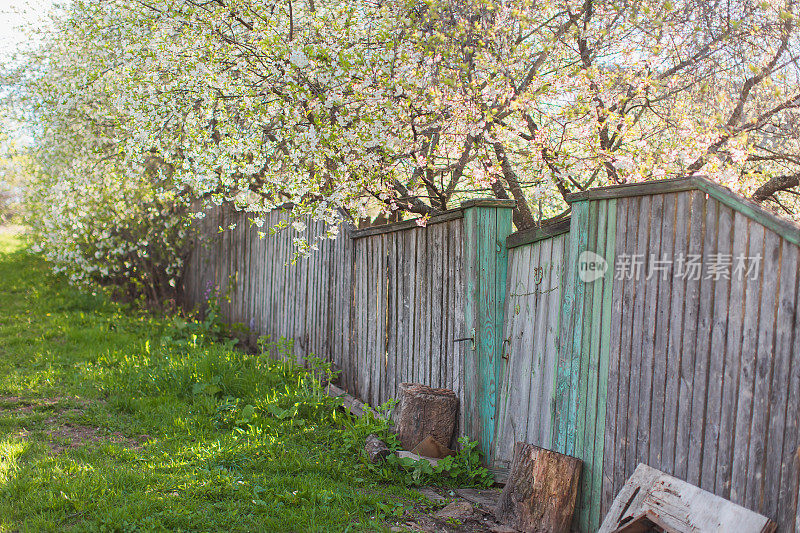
341	108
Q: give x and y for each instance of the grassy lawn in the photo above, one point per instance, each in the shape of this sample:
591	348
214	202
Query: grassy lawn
113	420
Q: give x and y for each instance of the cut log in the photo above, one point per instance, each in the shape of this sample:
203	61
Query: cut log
423	411
541	490
376	449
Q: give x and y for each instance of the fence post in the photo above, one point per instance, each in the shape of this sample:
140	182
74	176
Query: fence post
487	223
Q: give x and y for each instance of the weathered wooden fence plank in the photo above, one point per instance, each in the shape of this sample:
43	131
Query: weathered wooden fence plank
597	465
675	334
662	274
716	370
584	436
731	373
702	342
626	376
762	373
532	314
568	369
744	406
613	414
780	399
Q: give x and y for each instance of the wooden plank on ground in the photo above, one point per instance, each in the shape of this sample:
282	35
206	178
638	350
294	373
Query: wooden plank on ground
682	507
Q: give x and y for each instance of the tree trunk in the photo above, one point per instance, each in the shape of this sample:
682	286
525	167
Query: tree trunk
539	496
423	411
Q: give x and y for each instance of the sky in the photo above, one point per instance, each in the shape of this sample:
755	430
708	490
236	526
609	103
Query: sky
16	13
13	15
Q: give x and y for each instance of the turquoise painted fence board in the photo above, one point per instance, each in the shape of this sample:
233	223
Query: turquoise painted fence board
488	224
504	229
590	366
568	370
487	341
604	355
582	372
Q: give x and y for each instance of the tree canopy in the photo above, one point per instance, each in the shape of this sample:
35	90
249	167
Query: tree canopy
343	108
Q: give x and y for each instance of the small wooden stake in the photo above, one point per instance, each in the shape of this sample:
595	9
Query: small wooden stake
540	494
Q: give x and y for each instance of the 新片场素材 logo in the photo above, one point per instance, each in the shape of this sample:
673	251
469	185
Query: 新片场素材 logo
591	266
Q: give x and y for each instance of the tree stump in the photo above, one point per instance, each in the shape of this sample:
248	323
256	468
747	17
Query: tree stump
540	494
423	411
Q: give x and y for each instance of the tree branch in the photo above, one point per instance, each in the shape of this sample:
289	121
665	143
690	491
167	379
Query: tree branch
525	217
775	185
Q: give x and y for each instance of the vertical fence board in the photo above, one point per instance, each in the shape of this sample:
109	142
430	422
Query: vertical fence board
568	370
613	414
663	278
789	510
635	403
458	319
730	387
584	431
780	419
744	408
717	356
674	344
606	286
702	342
762	372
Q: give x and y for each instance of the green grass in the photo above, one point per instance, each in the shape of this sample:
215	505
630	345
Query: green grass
117	420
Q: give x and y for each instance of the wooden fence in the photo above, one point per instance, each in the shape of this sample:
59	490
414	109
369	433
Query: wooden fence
661	324
386	304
